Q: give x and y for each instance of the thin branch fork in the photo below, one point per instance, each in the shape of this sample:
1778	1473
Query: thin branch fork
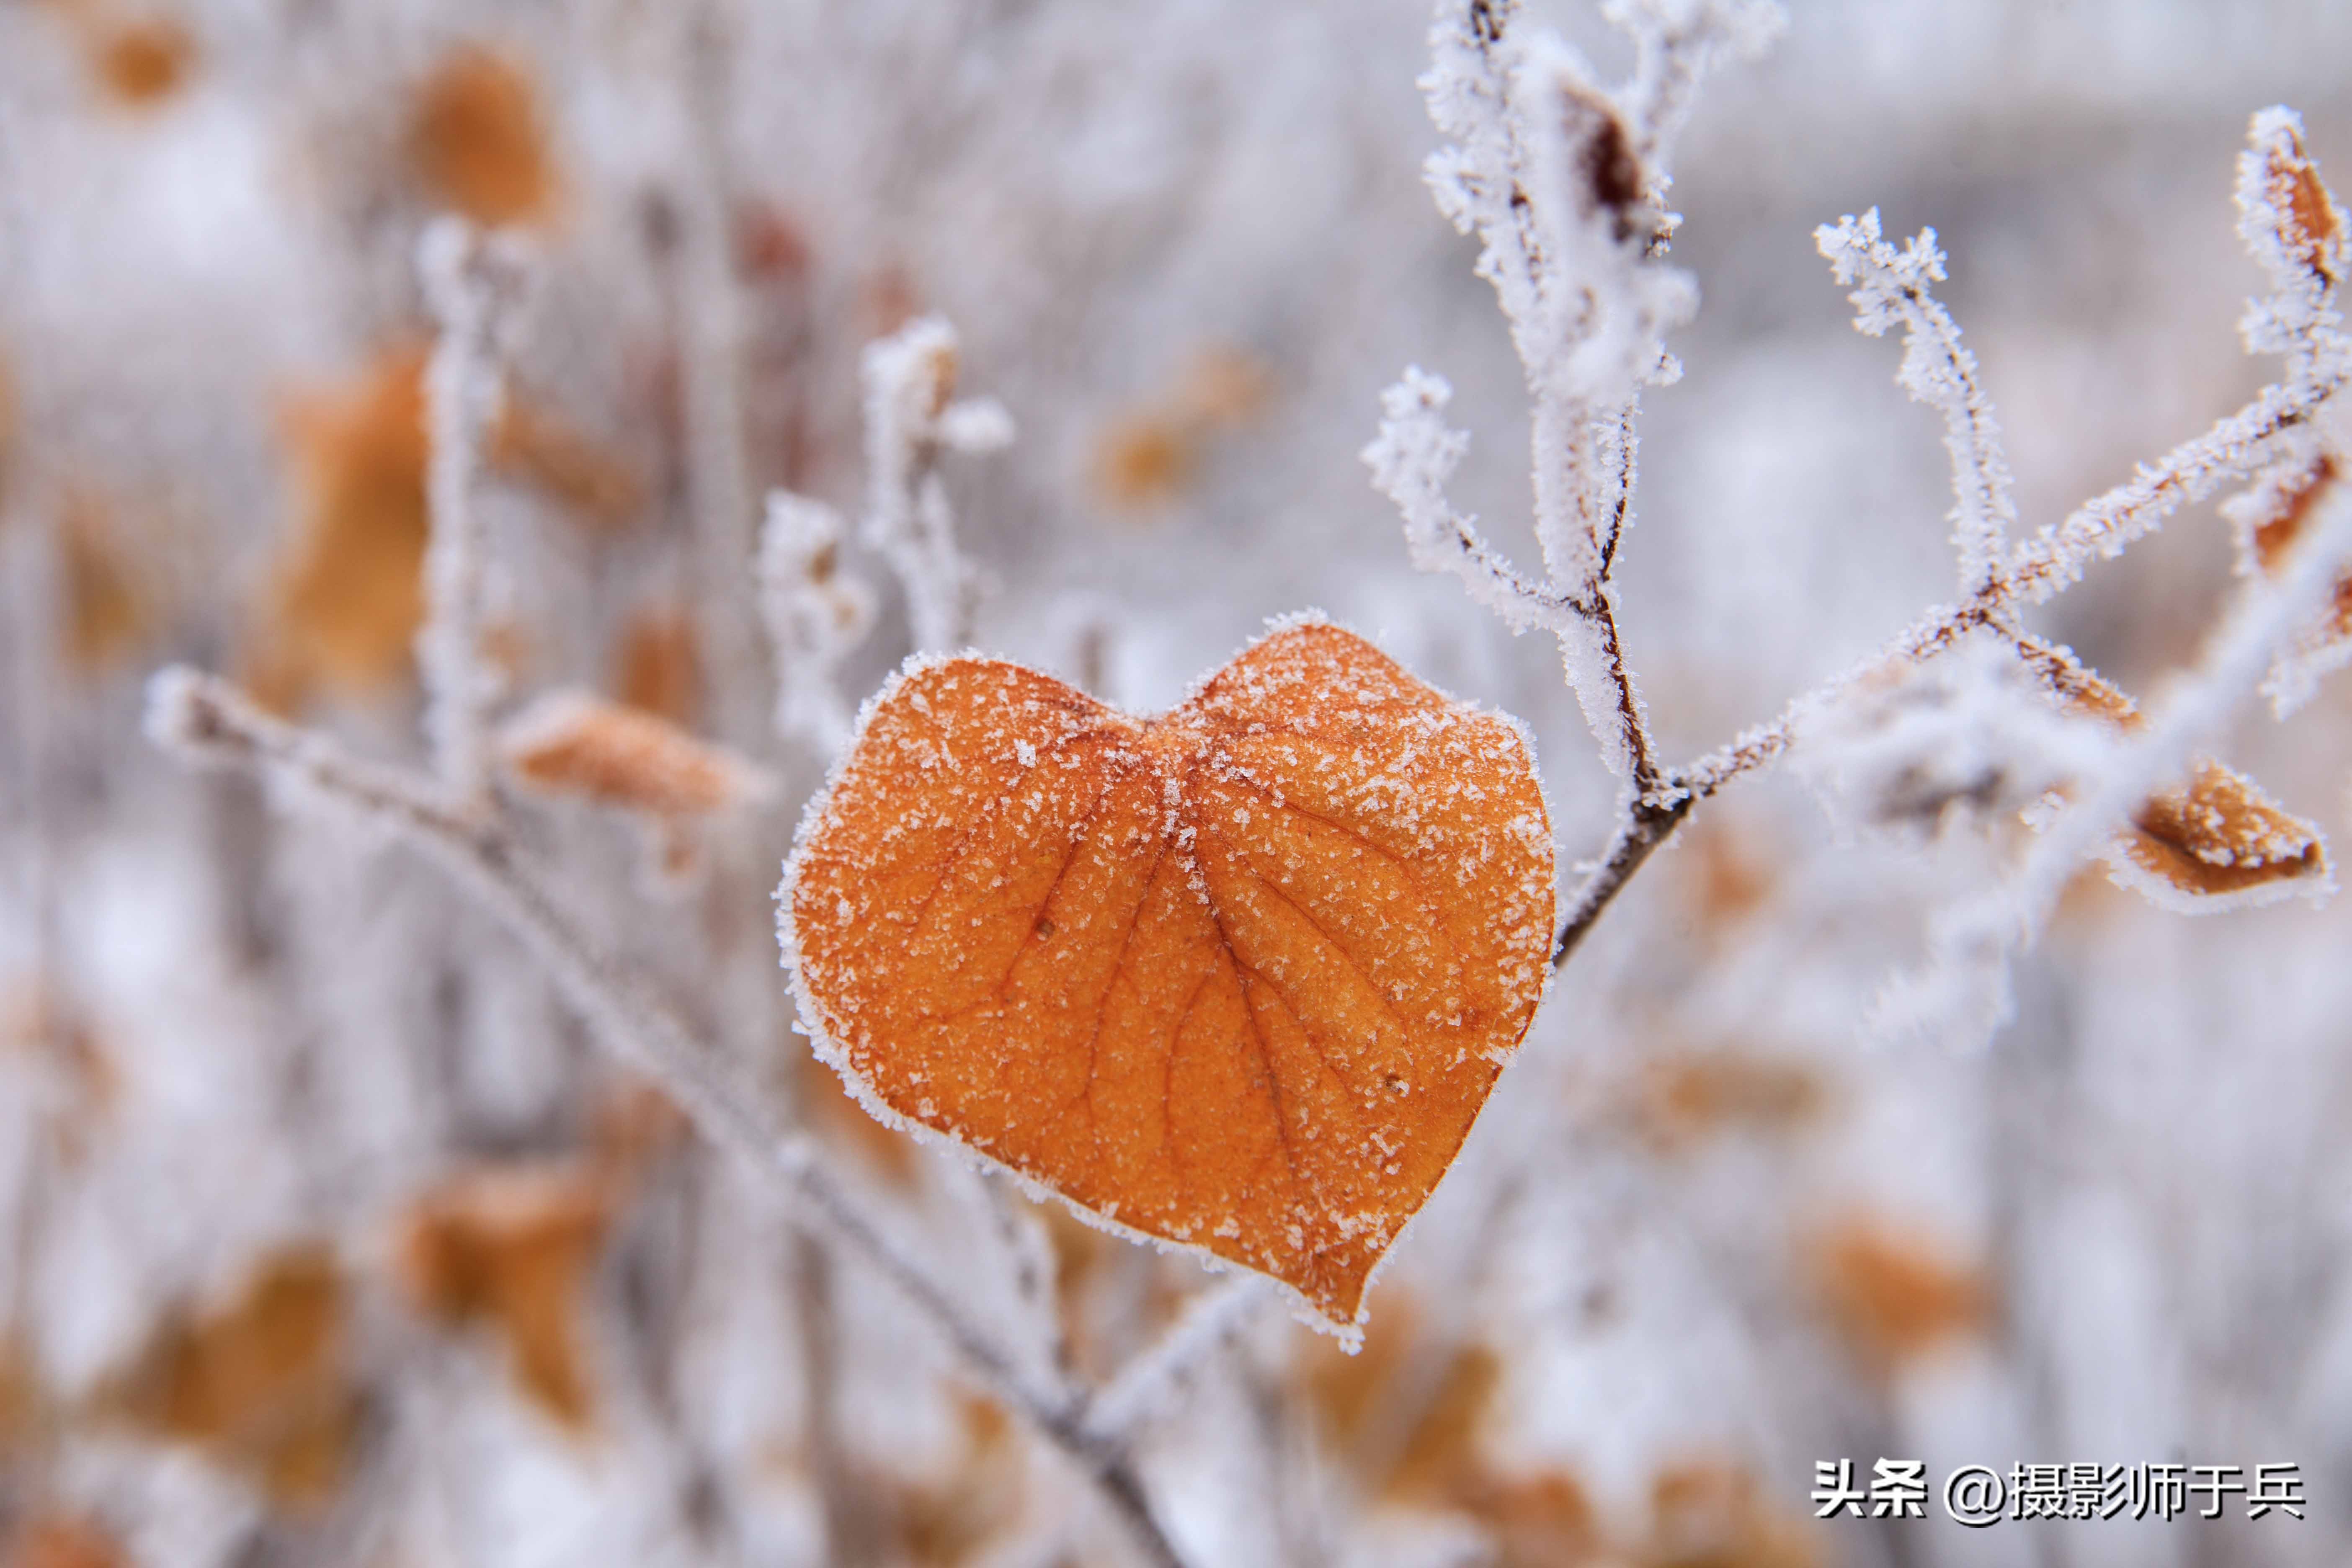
204	719
2187	473
1998	580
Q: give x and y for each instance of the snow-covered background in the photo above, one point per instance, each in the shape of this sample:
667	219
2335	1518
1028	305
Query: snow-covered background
329	1235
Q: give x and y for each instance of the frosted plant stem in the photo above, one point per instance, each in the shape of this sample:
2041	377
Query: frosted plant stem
2038	567
203	719
2231	447
462	395
1206	1319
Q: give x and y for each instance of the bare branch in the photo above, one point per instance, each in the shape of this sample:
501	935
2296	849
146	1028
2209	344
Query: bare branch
1965	983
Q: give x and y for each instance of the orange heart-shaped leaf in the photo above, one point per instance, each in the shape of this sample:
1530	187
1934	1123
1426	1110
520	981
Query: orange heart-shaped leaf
1237	977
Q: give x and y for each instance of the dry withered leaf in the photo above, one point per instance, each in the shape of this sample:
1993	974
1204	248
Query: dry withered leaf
2273	512
2219	836
1723	881
1686	1097
510	1248
2215	841
534	444
1146	459
769	245
1420	1442
140	64
575	743
1710	1513
1238	977
657	666
953	1519
477	139
1894	1297
2269	516
258	1383
2311	227
1152	454
348	596
59	1033
1442	1460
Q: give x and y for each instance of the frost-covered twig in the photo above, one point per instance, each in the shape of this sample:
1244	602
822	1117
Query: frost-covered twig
1563	182
911	417
202	719
2294	228
473	284
1675	45
1205	1320
816	613
1412	459
1478	91
2042	567
1937	370
1965	982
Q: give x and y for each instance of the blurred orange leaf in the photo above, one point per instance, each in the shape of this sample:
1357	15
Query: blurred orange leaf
1240	976
1411	1416
348	596
1708	1513
572	742
64	1543
477	139
105	614
1895	1297
534	444
1146	459
657	666
1685	1096
259	1383
139	64
510	1248
1151	454
953	1519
